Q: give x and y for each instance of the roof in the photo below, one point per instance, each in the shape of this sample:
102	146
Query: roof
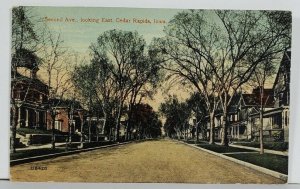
285	65
253	99
234	103
65	103
25	58
23	78
249	99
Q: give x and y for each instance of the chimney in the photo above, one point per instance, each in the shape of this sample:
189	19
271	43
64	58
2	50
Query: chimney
33	72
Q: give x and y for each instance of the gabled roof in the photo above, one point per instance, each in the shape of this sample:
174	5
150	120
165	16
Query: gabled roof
253	99
234	103
285	65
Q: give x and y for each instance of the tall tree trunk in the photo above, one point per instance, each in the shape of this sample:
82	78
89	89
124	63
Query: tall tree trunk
197	133
13	128
212	128
224	139
81	131
90	125
129	123
117	134
261	130
53	115
97	129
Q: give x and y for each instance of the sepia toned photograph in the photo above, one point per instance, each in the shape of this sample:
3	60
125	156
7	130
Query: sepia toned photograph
139	95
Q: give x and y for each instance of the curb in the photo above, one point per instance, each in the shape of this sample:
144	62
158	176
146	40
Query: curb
246	164
47	156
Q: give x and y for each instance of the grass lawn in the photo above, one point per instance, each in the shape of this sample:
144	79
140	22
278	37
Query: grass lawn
270	161
279	146
223	149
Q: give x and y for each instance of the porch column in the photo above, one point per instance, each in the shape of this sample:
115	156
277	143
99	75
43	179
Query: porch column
238	131
45	121
19	118
37	118
283	119
27	117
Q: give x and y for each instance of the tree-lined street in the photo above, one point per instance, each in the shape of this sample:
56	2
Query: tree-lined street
150	161
205	77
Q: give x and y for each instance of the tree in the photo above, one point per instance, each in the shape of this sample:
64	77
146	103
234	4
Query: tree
250	40
177	115
197	105
143	81
55	59
186	35
96	85
123	50
217	51
260	77
148	123
24	43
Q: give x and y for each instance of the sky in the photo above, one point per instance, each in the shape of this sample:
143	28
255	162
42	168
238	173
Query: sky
80	26
79	34
83	30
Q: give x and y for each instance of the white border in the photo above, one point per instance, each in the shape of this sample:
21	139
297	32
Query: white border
294	5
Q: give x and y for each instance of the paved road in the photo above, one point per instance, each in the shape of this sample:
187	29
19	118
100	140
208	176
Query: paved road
151	161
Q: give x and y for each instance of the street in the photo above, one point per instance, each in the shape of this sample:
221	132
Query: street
159	161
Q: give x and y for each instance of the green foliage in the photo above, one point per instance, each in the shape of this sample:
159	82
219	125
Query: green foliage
176	114
24	34
147	121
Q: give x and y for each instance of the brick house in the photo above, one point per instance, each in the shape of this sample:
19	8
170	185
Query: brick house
69	116
30	94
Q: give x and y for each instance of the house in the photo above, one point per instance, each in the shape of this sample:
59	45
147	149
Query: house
276	119
30	95
244	110
69	115
243	123
275	109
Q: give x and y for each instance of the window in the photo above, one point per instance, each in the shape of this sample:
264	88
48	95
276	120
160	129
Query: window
58	125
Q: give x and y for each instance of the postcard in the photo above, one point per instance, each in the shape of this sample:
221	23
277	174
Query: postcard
139	95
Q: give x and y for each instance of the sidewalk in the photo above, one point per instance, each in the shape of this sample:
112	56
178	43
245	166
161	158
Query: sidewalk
45	146
282	153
